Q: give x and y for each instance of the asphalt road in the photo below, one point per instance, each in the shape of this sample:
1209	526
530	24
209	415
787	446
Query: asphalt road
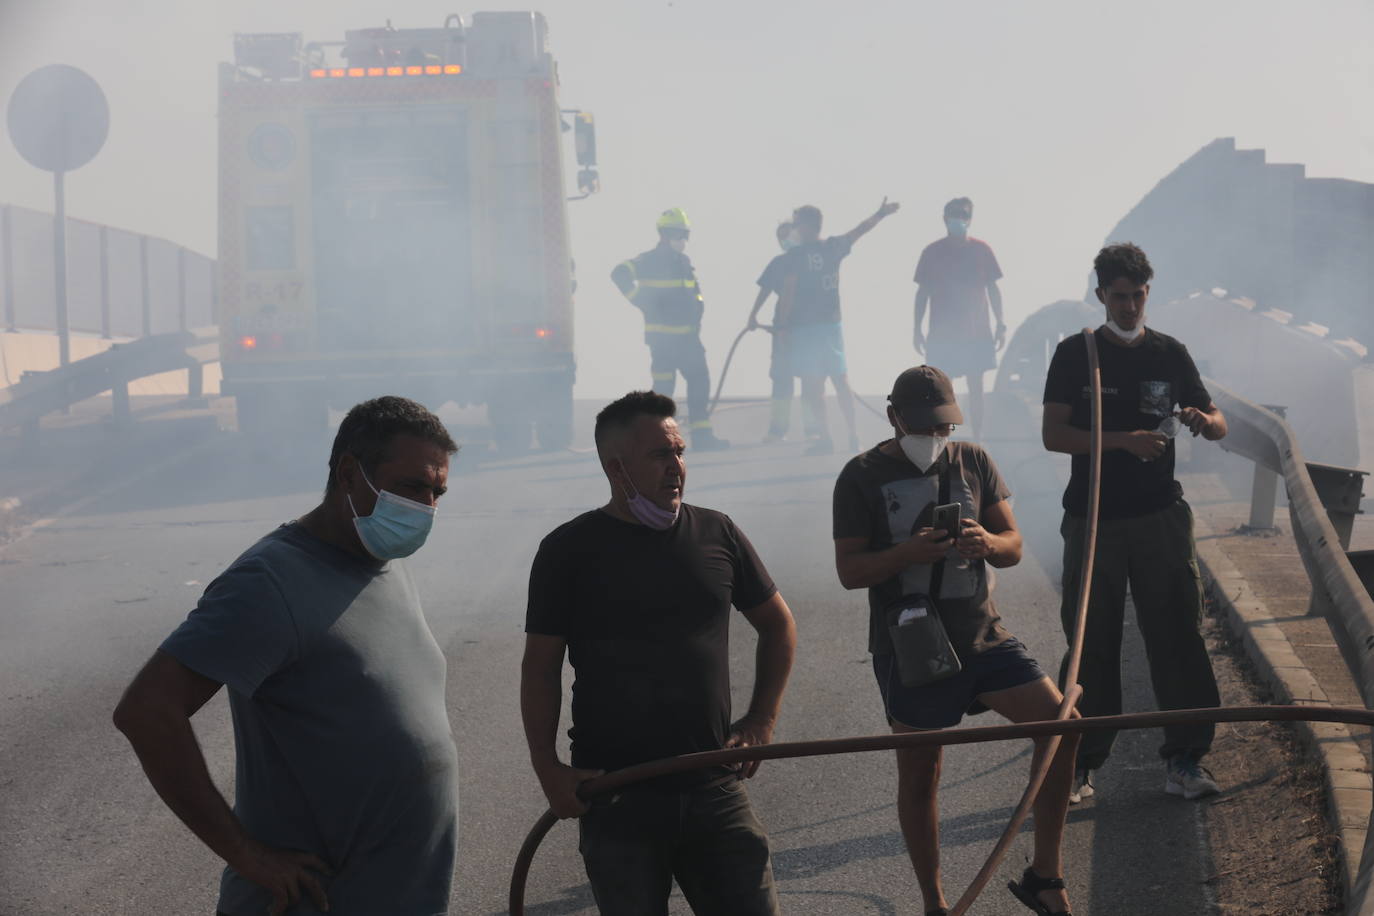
89	593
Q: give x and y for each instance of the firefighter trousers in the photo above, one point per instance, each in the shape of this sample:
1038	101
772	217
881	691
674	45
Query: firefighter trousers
670	354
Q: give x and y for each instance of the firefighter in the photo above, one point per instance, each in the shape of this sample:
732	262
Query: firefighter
662	284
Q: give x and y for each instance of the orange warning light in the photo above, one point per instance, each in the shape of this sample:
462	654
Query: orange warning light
433	69
356	71
248	343
415	70
395	71
336	73
542	333
318	74
453	68
376	71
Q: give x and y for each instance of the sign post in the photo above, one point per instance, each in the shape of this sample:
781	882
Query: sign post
58	119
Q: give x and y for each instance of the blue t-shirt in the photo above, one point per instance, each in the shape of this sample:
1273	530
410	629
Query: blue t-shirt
343	741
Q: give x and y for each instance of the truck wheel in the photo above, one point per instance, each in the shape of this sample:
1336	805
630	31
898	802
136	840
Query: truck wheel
280	413
554	424
510	421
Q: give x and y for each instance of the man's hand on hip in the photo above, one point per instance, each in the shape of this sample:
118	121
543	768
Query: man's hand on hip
750	732
286	873
560	783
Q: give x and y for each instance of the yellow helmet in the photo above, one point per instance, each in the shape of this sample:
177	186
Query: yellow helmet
676	218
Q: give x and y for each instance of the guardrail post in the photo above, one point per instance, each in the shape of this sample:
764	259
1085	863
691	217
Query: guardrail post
104	282
1340	490
119	393
7	265
1264	490
143	273
195	385
181	289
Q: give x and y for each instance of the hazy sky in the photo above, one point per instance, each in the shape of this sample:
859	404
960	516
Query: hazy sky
1055	117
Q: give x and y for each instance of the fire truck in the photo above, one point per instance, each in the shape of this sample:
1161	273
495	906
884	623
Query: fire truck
393	220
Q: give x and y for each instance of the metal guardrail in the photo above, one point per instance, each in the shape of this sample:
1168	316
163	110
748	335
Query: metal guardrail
1321	532
38	394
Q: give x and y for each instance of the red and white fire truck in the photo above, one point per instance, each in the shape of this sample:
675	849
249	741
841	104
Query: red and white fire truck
393	221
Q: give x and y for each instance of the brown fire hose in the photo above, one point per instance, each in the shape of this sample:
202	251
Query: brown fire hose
1053	730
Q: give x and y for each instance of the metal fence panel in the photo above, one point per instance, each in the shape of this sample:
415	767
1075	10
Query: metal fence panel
180	290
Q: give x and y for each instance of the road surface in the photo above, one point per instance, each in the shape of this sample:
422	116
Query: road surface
90	592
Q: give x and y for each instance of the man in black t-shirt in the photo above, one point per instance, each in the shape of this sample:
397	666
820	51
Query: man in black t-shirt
810	300
884	541
638	595
1145	529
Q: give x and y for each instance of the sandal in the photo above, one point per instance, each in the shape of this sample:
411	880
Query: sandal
1032	884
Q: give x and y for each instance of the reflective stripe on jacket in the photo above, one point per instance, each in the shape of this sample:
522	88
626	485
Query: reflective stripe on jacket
662	284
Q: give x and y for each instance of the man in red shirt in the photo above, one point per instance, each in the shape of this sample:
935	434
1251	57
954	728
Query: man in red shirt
957	277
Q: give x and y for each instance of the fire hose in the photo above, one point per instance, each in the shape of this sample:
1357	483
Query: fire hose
1052	730
730	356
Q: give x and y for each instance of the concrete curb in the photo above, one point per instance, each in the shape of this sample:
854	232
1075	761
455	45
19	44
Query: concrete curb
1348	788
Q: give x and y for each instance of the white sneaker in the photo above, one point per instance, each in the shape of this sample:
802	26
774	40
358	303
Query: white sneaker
1082	786
1188	778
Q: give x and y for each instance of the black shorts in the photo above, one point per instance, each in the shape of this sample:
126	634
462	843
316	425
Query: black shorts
943	703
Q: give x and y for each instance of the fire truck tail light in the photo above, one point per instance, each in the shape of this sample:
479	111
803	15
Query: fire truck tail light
542	333
248	342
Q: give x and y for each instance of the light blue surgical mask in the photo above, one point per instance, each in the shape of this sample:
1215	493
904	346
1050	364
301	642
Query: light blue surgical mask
957	226
397	526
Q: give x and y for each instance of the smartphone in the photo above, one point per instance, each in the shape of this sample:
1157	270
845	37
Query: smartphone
947	517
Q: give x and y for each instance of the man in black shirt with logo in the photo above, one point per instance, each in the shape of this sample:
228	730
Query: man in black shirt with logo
638	594
1145	531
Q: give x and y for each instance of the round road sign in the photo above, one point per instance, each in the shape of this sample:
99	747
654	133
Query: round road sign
58	118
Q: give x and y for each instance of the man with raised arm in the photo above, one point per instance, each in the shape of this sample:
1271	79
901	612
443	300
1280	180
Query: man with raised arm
814	331
637	595
1150	390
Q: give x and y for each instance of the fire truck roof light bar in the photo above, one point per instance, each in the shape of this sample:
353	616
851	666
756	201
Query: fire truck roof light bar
319	73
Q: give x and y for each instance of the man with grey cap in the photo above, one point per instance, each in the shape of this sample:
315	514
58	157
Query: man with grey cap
886	541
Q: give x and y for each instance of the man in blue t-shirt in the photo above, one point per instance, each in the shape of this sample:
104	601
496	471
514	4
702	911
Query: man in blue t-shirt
346	795
810	300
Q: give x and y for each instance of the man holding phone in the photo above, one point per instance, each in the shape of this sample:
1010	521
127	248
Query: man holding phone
918	520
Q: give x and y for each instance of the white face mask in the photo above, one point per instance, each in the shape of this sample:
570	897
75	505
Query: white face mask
1124	334
923	451
679	245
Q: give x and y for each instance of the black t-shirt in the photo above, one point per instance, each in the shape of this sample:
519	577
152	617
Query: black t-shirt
886	499
1140	387
816	267
772	276
646	616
